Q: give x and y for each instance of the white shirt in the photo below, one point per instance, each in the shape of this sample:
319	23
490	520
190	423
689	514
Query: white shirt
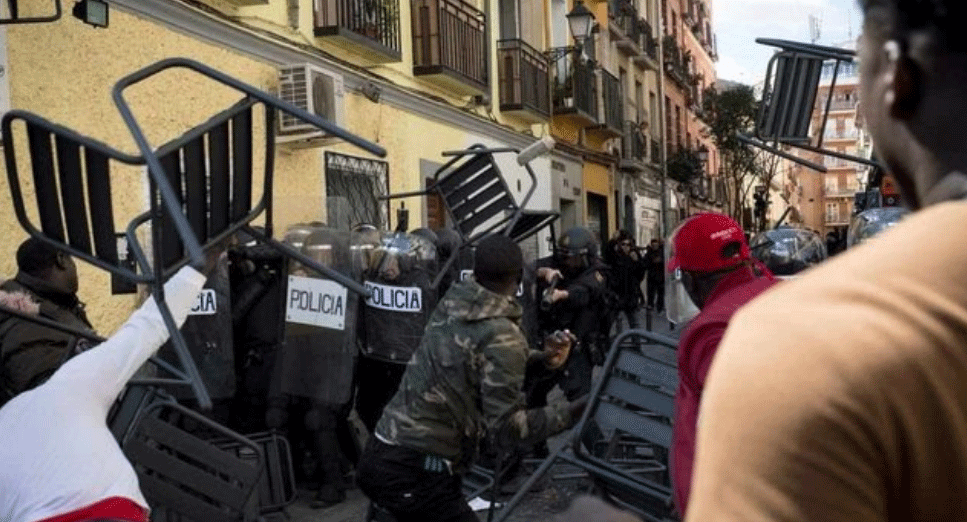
57	454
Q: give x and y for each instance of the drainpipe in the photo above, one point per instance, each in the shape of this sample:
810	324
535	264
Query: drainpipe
665	227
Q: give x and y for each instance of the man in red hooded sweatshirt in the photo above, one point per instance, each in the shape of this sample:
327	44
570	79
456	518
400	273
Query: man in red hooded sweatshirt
711	263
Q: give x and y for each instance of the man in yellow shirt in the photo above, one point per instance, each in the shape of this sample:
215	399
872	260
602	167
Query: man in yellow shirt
842	395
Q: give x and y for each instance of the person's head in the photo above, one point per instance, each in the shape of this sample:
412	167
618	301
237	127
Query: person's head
707	247
913	87
498	264
575	249
653	243
624	242
40	260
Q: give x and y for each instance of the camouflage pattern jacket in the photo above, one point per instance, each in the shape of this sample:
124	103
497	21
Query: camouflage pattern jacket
464	382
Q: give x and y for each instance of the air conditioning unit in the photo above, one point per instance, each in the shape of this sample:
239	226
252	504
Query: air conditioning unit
316	91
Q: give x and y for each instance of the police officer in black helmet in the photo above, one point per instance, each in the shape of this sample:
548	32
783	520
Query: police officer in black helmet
571	290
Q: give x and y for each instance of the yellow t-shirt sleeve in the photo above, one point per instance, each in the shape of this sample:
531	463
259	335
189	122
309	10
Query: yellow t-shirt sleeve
782	438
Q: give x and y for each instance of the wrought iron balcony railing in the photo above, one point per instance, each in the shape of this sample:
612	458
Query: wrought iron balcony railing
633	142
675	61
612	101
448	37
647	42
377	21
523	76
575	88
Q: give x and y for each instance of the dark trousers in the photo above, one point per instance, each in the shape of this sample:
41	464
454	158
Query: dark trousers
656	294
401	482
632	315
377	381
574	379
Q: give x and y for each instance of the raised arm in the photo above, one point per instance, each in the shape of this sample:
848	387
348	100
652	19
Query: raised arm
106	368
504	408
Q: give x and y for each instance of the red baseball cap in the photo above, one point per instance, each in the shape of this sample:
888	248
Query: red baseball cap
700	240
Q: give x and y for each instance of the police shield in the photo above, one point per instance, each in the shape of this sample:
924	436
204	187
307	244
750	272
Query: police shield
871	222
208	335
318	354
399	272
786	251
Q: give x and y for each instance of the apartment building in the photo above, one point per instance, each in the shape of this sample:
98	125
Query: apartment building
689	54
827	202
605	114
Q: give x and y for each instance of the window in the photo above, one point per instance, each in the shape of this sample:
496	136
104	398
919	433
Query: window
509	20
832	212
832	184
352	187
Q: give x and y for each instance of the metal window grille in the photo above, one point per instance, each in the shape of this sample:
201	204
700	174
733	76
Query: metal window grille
353	188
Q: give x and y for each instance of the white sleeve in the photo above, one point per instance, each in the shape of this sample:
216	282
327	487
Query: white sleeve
106	368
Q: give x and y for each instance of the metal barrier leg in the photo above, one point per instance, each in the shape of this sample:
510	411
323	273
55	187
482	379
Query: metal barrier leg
525	488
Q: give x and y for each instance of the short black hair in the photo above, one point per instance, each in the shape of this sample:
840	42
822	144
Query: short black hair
943	18
497	261
35	257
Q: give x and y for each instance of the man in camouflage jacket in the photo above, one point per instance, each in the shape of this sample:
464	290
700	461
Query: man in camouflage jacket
464	383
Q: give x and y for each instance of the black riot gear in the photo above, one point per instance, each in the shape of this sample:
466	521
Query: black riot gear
575	251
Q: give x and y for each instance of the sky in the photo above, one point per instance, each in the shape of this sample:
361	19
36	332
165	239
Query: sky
739	22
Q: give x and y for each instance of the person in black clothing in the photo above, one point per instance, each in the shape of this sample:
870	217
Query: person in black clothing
45	286
573	295
625	276
655	264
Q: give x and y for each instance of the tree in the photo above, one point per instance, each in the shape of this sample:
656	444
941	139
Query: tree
729	112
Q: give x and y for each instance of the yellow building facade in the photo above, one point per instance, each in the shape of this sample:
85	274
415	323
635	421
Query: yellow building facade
395	82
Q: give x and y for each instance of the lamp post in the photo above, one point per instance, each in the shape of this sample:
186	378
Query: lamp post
703	155
580	21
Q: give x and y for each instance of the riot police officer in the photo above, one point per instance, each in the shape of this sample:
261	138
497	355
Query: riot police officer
573	295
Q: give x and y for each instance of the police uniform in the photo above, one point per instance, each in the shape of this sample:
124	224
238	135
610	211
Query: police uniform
584	313
464	381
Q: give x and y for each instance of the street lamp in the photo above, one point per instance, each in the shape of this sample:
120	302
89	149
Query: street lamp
580	21
703	155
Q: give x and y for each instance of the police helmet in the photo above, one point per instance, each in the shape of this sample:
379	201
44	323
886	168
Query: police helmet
577	241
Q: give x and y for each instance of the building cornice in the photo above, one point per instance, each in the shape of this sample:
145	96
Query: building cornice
205	26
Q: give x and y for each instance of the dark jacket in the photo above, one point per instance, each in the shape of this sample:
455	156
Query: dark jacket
625	279
586	310
696	349
29	352
655	263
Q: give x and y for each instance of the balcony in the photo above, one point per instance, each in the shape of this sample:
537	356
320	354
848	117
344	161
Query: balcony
648	58
633	148
370	28
575	93
523	76
836	192
676	62
837	105
612	108
623	23
655	152
832	135
449	48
